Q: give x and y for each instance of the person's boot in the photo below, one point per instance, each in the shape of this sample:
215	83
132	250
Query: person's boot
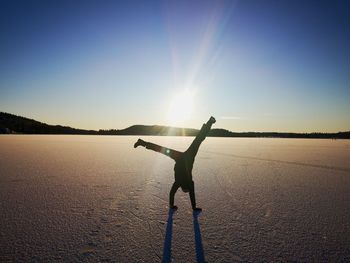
139	142
211	120
197	209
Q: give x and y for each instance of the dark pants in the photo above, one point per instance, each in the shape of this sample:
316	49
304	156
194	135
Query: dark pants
192	151
190	155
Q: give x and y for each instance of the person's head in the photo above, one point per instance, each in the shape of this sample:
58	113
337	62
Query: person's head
185	190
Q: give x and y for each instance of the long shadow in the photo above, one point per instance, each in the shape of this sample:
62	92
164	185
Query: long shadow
198	239
168	237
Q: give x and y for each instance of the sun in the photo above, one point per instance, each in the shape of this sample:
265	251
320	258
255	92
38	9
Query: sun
181	107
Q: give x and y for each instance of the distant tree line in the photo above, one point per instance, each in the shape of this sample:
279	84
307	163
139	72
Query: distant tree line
12	124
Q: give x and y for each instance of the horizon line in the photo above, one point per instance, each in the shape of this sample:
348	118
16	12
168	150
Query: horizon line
174	127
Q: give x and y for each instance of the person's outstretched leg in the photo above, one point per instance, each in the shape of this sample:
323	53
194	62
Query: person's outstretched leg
193	149
172	195
157	148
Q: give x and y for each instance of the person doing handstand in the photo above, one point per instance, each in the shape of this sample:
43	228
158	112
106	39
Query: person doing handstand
183	163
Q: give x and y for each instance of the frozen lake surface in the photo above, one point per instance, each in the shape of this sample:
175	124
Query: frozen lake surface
97	199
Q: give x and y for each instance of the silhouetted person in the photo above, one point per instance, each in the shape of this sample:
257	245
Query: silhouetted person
183	163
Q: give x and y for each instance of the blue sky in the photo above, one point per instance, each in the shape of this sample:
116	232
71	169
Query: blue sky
254	65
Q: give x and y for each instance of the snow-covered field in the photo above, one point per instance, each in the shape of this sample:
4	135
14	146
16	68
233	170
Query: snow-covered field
97	199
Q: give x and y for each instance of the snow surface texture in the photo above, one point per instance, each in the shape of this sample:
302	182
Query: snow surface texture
97	199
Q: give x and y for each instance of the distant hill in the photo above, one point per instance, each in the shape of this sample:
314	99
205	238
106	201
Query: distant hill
12	124
152	130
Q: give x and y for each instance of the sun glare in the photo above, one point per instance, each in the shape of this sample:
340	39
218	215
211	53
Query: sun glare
181	107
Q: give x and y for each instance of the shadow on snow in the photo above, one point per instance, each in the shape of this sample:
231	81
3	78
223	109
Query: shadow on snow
169	233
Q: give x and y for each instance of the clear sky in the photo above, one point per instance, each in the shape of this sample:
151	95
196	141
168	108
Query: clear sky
254	65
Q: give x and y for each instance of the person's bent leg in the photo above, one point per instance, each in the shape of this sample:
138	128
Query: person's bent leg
172	195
